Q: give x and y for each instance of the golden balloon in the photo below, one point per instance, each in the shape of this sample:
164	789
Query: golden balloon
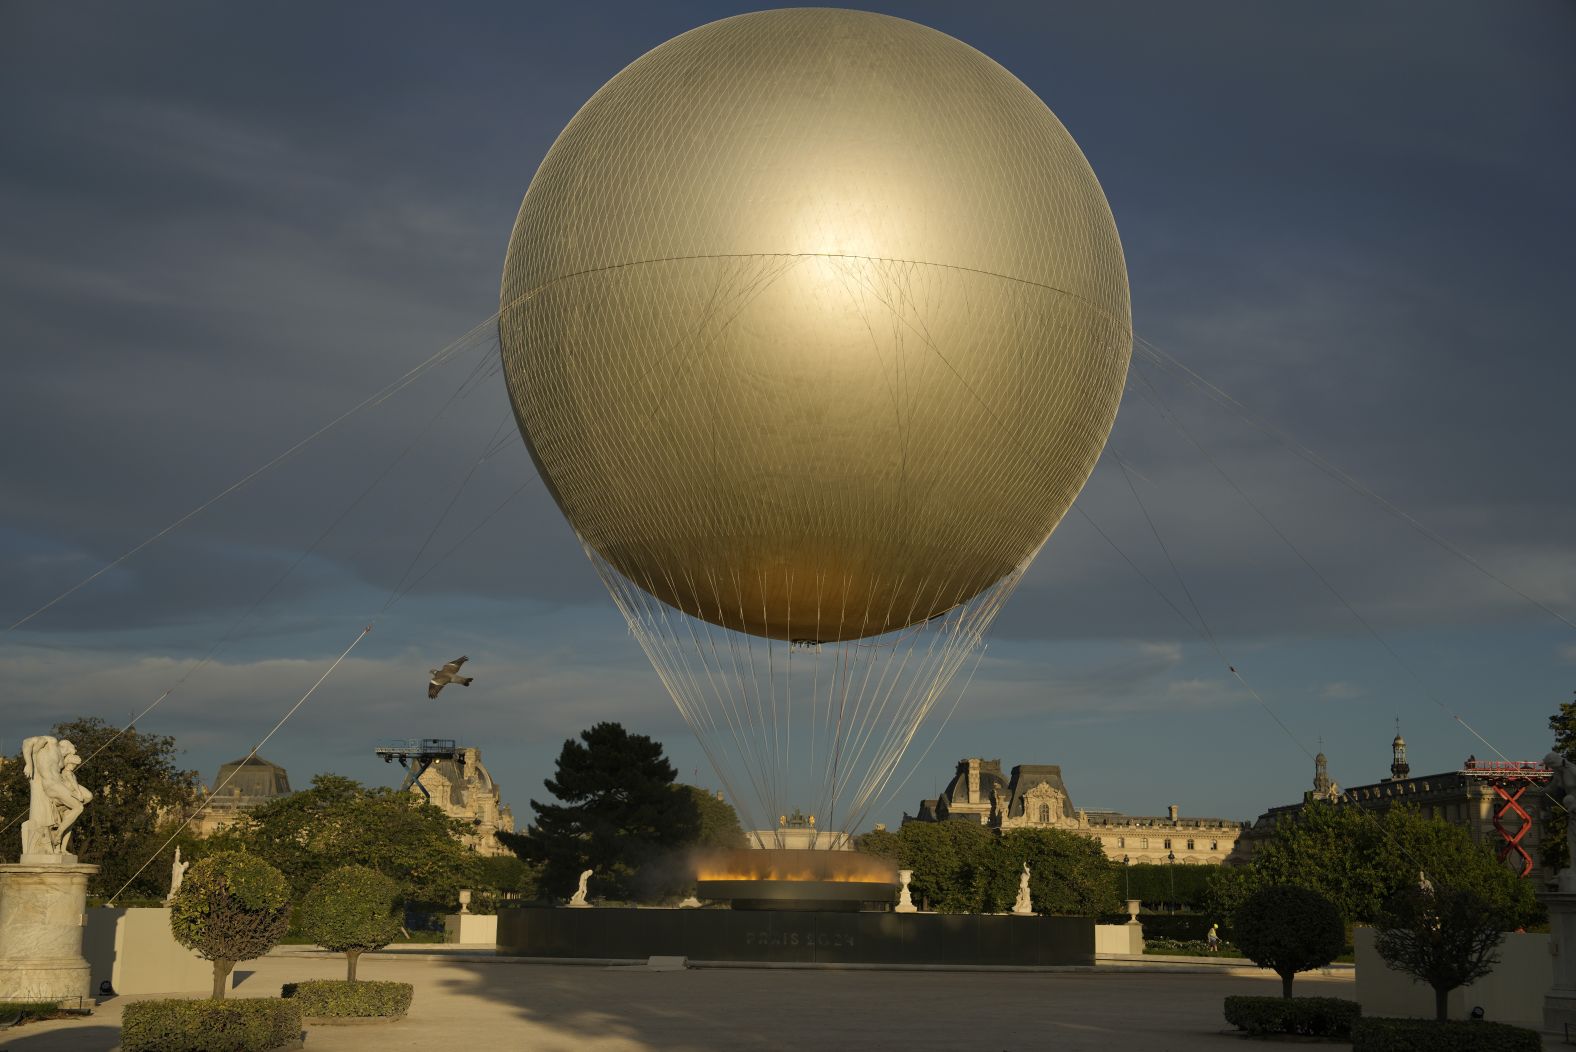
815	323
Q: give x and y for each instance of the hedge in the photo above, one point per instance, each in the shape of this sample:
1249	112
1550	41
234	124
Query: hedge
342	999
1429	1035
14	1012
1181	927
1309	1016
252	1024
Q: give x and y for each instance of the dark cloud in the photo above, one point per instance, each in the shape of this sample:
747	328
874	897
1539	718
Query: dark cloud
223	226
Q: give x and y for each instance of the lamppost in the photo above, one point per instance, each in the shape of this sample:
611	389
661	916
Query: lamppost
1171	857
1127	876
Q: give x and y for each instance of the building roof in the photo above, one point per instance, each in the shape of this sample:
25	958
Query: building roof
252	777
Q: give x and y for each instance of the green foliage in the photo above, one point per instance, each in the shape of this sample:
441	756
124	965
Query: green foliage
1445	937
950	863
1553	848
501	877
880	842
1225	889
1068	873
619	813
134	782
1308	1016
252	1024
350	911
1167	884
1188	948
719	822
231	907
1428	1035
1359	859
14	1012
335	999
1289	929
338	821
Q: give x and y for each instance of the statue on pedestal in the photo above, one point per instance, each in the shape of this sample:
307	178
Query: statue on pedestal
1562	788
177	874
1023	905
580	894
56	800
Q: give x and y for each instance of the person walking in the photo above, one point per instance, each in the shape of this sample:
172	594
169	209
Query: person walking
1214	937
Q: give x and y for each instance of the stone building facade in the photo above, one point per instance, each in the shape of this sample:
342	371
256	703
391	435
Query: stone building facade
247	783
1498	802
1034	796
464	790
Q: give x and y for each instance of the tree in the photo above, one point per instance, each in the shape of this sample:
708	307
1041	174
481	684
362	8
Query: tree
350	911
1444	937
950	864
231	907
1289	930
1358	859
1554	849
1225	891
340	822
619	812
140	795
719	822
1068	873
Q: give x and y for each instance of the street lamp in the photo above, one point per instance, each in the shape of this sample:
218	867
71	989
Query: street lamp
1171	857
1127	876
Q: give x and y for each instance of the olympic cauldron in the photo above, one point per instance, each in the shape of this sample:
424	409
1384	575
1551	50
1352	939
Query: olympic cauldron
795	879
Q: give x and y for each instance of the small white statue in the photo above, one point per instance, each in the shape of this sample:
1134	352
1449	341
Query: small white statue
904	903
1023	906
580	894
56	800
177	874
1562	787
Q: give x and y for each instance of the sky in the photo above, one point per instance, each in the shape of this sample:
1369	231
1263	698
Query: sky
223	226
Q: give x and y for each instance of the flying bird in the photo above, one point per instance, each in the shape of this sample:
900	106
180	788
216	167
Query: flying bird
450	673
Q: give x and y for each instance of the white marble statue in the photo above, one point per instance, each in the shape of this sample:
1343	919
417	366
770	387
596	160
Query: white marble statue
177	874
56	799
905	904
1023	905
580	893
1562	787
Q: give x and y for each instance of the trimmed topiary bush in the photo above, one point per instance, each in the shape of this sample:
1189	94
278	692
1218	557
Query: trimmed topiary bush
1288	930
1308	1016
1431	1035
350	911
253	1024
344	999
231	907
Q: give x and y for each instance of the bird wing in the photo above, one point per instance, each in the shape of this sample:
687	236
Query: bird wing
433	687
454	666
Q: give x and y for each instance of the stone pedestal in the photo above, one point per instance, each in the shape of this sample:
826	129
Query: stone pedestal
42	913
1559	1004
471	929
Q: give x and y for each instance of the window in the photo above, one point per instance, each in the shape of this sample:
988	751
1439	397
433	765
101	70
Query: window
1168	843
1190	843
1143	844
1214	845
1121	841
1045	813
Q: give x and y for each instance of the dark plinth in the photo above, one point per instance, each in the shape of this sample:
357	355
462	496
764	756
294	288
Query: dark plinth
787	937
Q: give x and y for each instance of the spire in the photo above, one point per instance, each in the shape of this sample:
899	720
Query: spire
1321	774
1399	768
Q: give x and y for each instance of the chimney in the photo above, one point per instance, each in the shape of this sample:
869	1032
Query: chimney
1172	812
974	781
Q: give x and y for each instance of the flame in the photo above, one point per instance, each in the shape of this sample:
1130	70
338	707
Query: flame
794	864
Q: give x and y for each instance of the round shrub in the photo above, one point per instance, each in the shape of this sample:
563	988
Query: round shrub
231	907
344	999
1288	930
252	1024
350	911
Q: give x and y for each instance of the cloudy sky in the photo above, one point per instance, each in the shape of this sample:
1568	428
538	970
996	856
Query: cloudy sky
222	226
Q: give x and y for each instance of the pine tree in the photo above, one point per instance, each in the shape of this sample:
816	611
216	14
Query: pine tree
618	814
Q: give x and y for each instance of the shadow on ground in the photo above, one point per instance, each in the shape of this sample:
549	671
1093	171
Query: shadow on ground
19	1040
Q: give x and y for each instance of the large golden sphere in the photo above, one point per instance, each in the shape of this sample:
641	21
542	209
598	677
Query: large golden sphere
815	322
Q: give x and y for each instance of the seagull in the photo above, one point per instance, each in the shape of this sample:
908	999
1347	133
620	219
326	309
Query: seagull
450	673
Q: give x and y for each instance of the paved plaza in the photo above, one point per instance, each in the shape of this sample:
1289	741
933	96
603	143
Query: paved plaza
478	1003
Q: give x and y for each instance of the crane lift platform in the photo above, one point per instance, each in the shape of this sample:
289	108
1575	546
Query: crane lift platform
1510	780
418	754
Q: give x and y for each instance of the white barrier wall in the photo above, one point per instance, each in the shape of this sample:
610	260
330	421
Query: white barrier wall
1511	993
1118	938
134	950
473	929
